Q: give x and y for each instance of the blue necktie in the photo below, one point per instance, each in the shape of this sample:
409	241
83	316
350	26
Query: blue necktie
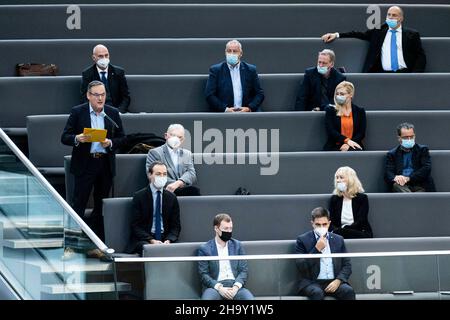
158	216
103	78
394	59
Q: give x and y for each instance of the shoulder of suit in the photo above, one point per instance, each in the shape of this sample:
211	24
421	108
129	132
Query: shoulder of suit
80	107
142	191
410	30
310	70
305	235
116	69
335	236
248	65
112	110
89	69
358	108
186	151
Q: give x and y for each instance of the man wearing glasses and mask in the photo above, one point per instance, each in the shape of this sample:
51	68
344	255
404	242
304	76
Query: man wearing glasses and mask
93	163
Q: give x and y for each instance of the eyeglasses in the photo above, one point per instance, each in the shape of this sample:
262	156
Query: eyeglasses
98	95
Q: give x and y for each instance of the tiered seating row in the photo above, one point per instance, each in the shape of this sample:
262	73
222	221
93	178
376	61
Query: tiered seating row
423	275
283	217
298	131
195	56
185	93
298	173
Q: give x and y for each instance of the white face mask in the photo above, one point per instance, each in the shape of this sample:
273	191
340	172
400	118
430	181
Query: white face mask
174	142
321	231
159	182
341	186
103	63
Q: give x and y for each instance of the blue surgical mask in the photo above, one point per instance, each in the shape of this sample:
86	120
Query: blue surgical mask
408	143
340	99
322	70
232	59
392	23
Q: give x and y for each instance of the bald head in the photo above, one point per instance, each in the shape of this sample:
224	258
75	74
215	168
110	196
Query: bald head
395	12
100	54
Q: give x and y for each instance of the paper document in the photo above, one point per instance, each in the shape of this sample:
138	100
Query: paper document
96	135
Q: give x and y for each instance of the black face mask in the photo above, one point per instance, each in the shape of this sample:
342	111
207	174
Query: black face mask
225	236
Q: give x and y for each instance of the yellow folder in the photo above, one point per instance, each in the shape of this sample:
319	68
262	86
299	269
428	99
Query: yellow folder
96	135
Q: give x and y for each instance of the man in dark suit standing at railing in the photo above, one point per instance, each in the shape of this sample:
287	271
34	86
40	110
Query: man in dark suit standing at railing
93	164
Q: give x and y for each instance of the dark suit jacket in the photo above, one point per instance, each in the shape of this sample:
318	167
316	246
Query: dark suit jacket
219	88
142	219
333	127
78	120
360	207
117	86
309	94
421	163
310	268
209	270
413	52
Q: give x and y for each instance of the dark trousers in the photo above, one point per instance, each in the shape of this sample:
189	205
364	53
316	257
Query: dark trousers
348	233
315	291
97	176
187	191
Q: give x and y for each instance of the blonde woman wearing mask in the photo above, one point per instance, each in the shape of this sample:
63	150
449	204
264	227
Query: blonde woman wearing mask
345	122
349	206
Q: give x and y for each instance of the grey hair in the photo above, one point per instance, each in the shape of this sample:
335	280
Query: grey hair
175	126
94	83
329	53
234	41
404	125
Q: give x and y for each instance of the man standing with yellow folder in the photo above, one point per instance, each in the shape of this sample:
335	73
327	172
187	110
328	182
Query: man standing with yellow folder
93	161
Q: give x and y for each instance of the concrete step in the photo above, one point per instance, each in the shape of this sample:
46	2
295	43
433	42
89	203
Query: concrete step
87	265
33	243
85	287
7	158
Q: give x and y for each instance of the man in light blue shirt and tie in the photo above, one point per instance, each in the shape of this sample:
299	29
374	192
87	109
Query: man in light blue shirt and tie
233	85
324	276
392	47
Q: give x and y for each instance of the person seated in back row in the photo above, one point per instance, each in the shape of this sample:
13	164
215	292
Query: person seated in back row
345	122
392	47
112	76
233	85
319	83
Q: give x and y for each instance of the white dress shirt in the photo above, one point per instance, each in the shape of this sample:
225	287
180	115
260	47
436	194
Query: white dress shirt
347	212
326	264
237	86
174	155
386	50
105	71
225	271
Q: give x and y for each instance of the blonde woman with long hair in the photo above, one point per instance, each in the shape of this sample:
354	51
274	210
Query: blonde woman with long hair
349	206
345	122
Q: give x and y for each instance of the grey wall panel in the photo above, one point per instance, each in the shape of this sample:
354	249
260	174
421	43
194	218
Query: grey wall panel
185	93
159	20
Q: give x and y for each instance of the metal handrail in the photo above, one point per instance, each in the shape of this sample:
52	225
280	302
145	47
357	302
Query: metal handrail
95	239
287	256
